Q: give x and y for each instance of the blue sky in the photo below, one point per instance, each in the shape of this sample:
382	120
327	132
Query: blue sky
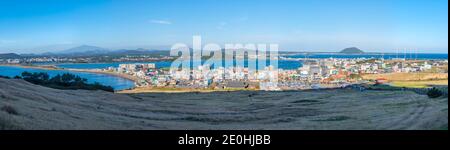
303	25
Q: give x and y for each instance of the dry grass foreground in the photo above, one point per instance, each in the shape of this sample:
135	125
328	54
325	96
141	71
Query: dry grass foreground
408	76
28	106
411	80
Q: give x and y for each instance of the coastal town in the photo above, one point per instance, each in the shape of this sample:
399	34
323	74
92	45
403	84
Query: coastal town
314	73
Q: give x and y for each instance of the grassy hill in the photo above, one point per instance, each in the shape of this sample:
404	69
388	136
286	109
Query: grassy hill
27	106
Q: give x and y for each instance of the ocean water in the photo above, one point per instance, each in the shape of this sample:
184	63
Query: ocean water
161	64
385	56
116	82
283	64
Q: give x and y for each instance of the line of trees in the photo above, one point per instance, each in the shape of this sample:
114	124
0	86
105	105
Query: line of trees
6	77
65	81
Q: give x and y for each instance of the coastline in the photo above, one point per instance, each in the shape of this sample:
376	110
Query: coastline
43	67
407	80
134	90
53	67
132	78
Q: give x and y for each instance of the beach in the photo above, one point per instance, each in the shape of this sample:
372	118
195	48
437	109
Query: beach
126	76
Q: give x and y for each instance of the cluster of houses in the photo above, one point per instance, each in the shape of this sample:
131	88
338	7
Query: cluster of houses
200	77
141	58
44	60
346	70
314	73
10	61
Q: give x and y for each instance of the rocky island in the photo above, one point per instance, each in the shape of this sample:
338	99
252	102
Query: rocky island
351	50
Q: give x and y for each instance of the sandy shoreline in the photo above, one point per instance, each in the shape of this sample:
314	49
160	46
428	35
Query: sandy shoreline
44	67
129	77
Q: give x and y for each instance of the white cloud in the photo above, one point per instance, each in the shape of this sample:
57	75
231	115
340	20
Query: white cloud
7	41
236	21
161	22
221	25
243	18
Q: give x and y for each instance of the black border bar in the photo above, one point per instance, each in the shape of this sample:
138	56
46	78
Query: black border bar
169	138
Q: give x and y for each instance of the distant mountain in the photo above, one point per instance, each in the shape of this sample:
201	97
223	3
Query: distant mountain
352	50
128	51
53	48
140	51
28	55
84	49
47	54
9	56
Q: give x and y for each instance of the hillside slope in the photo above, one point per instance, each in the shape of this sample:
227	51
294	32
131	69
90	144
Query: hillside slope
27	106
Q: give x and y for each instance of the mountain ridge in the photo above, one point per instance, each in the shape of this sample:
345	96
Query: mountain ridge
9	55
84	49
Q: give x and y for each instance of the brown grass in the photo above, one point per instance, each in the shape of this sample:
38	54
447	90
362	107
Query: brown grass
7	125
178	90
408	76
44	108
9	110
419	84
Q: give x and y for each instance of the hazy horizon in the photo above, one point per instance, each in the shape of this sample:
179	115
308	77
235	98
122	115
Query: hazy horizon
296	25
60	49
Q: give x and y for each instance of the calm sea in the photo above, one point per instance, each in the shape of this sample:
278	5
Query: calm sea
116	82
283	64
385	56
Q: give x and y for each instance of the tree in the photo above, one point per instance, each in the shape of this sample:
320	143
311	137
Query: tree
43	76
434	93
26	74
67	77
56	79
36	78
65	81
6	77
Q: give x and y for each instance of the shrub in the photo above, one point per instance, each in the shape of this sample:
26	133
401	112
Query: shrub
64	81
434	93
5	77
9	110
